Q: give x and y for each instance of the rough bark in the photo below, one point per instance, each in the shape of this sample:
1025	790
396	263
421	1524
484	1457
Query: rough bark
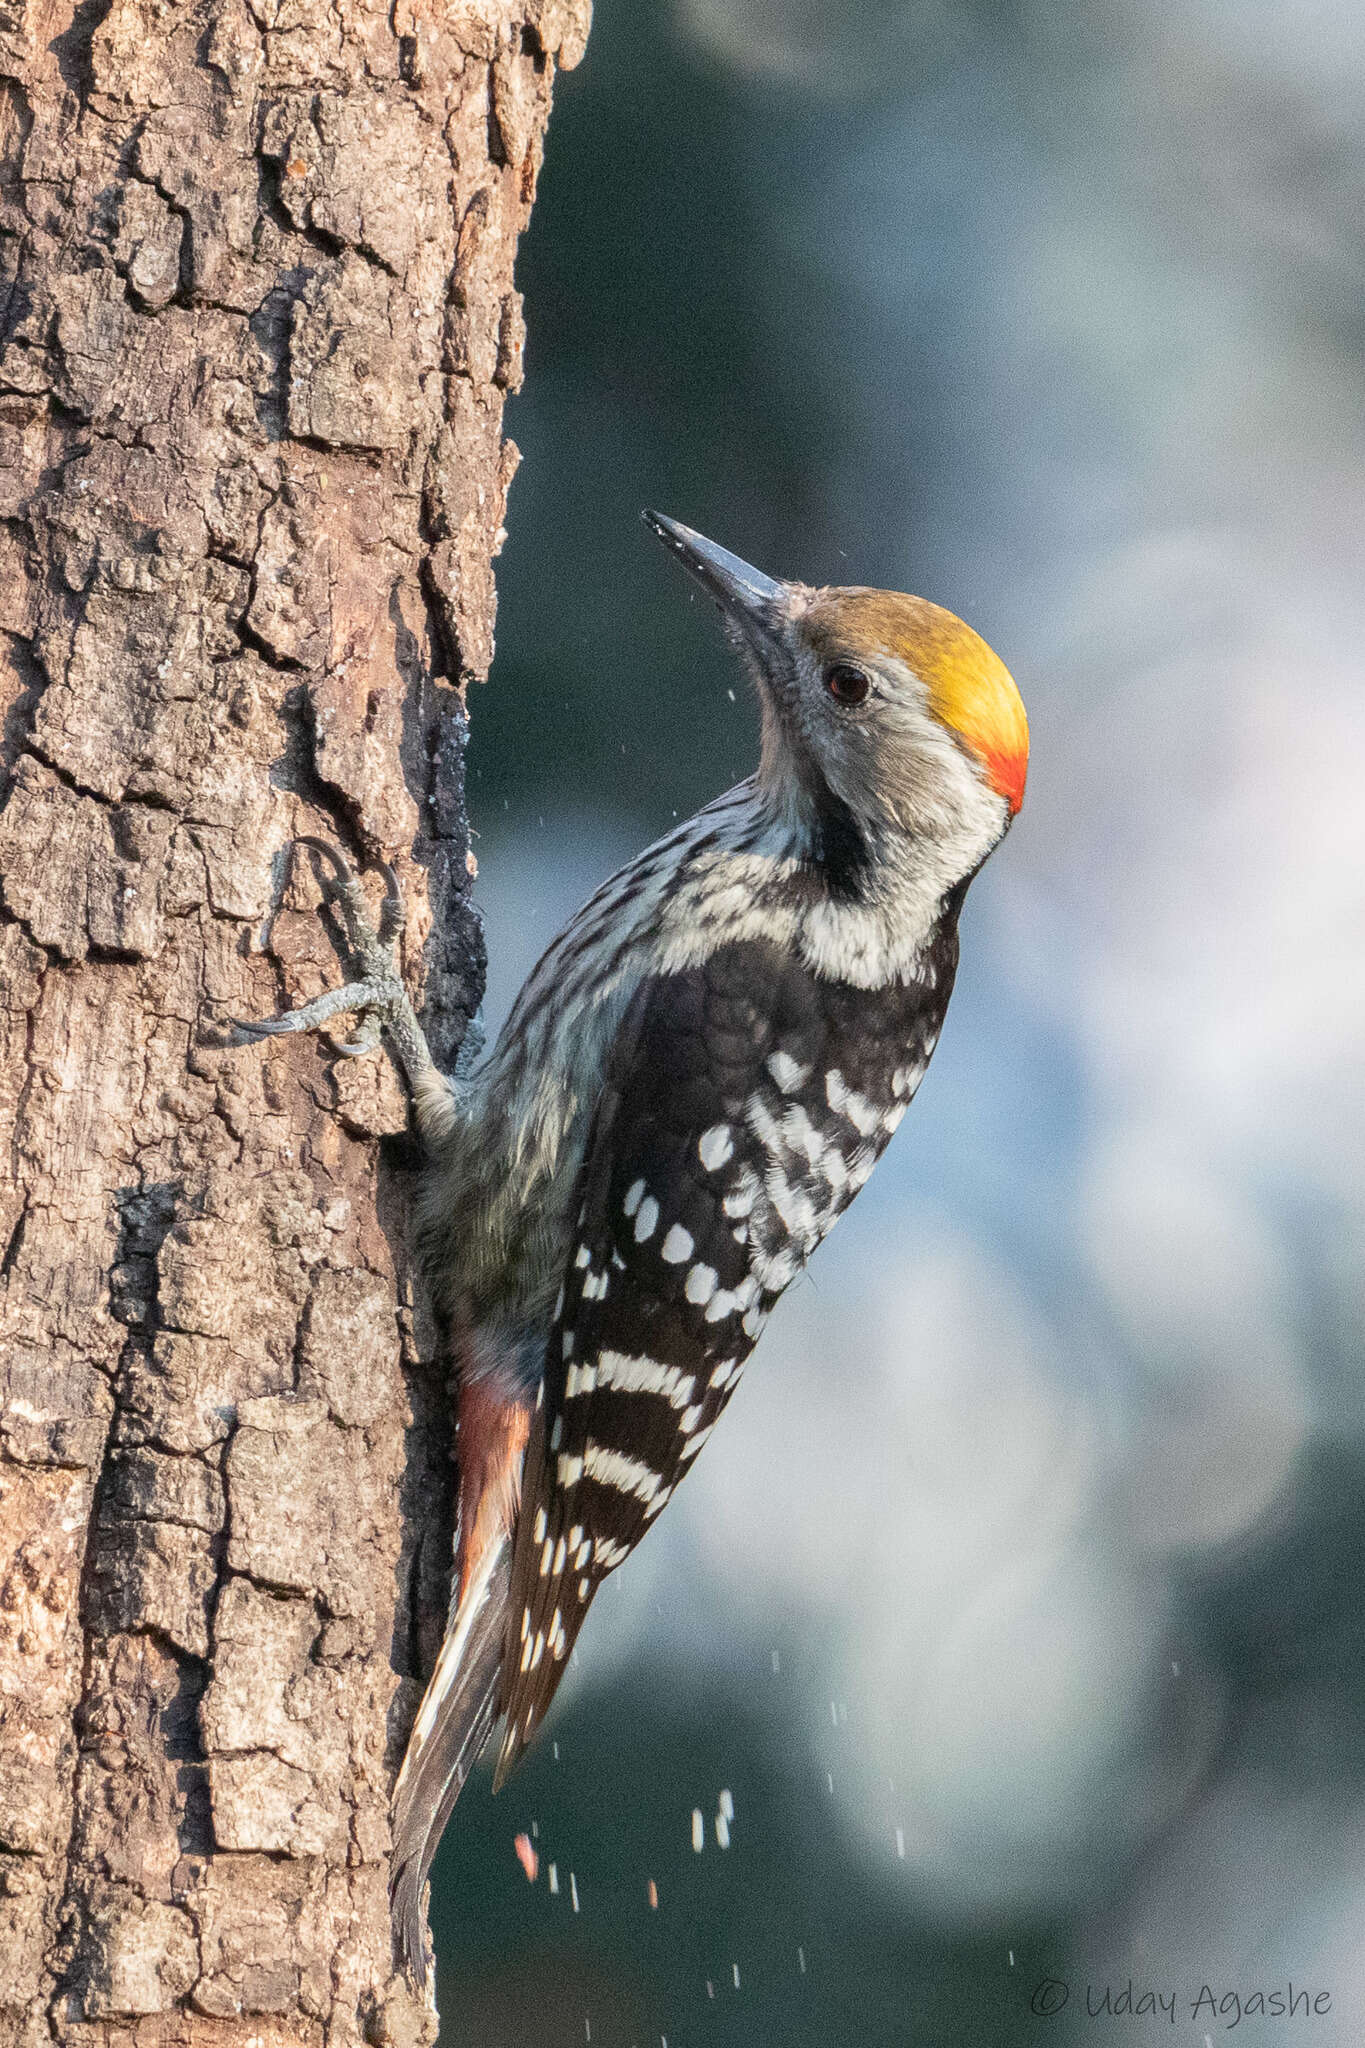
258	323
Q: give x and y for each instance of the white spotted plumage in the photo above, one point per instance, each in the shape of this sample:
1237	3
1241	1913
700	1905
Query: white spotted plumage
645	1376
786	1071
701	1284
652	1151
618	1469
678	1245
715	1147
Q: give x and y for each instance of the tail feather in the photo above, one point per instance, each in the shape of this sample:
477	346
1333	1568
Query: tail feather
453	1723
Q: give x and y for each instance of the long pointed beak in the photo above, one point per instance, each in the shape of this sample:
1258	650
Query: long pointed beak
745	594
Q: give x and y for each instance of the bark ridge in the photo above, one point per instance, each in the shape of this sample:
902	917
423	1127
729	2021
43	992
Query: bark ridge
257	326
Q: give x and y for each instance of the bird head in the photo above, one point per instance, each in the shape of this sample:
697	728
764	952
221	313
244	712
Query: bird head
885	718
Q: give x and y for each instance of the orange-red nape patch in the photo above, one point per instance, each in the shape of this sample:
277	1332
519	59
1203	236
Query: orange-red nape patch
970	689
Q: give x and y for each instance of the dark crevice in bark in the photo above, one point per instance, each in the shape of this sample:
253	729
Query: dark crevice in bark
23	709
146	800
447	667
327	245
73	50
16	1242
269	329
257	644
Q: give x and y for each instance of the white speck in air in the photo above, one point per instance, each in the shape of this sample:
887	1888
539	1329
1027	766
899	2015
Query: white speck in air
555	1747
587	2028
573	1890
722	1832
1011	1958
698	1830
829	1779
710	1988
735	1968
900	1843
554	1880
726	1803
801	1961
777	1662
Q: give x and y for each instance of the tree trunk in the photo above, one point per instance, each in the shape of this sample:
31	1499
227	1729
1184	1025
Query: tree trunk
258	324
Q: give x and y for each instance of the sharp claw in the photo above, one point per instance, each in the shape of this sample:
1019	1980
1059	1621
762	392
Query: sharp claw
244	1033
248	1032
341	867
366	1039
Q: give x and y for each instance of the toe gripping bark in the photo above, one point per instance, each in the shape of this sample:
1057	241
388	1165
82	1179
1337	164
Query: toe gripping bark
378	997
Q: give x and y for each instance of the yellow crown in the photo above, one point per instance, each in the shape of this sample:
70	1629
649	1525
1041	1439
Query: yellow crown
970	689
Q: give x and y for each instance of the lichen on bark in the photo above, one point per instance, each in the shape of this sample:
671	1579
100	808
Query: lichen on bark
257	325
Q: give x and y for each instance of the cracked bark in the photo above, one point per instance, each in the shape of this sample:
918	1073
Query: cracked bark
256	328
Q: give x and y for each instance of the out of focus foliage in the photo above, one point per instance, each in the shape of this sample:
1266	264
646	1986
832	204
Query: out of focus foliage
1017	1602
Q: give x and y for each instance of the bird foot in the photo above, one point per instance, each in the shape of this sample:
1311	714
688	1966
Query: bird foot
378	997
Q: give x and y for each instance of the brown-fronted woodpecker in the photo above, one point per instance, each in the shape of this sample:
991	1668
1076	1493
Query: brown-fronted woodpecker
695	1081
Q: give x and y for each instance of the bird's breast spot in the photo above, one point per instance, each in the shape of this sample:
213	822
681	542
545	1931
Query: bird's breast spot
701	1284
788	1073
715	1147
678	1245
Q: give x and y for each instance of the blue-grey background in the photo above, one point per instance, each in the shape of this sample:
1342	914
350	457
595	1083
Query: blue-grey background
1018	1602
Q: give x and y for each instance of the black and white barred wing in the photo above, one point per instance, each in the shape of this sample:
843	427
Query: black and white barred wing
724	1146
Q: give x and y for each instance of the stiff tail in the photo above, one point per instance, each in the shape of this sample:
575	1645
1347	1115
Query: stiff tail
453	1723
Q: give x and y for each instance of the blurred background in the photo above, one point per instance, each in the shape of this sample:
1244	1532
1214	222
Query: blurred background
1015	1613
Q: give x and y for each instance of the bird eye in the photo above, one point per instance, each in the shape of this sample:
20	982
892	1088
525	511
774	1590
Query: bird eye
846	684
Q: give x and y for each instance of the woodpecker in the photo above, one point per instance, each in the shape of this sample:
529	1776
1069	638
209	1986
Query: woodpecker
693	1084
